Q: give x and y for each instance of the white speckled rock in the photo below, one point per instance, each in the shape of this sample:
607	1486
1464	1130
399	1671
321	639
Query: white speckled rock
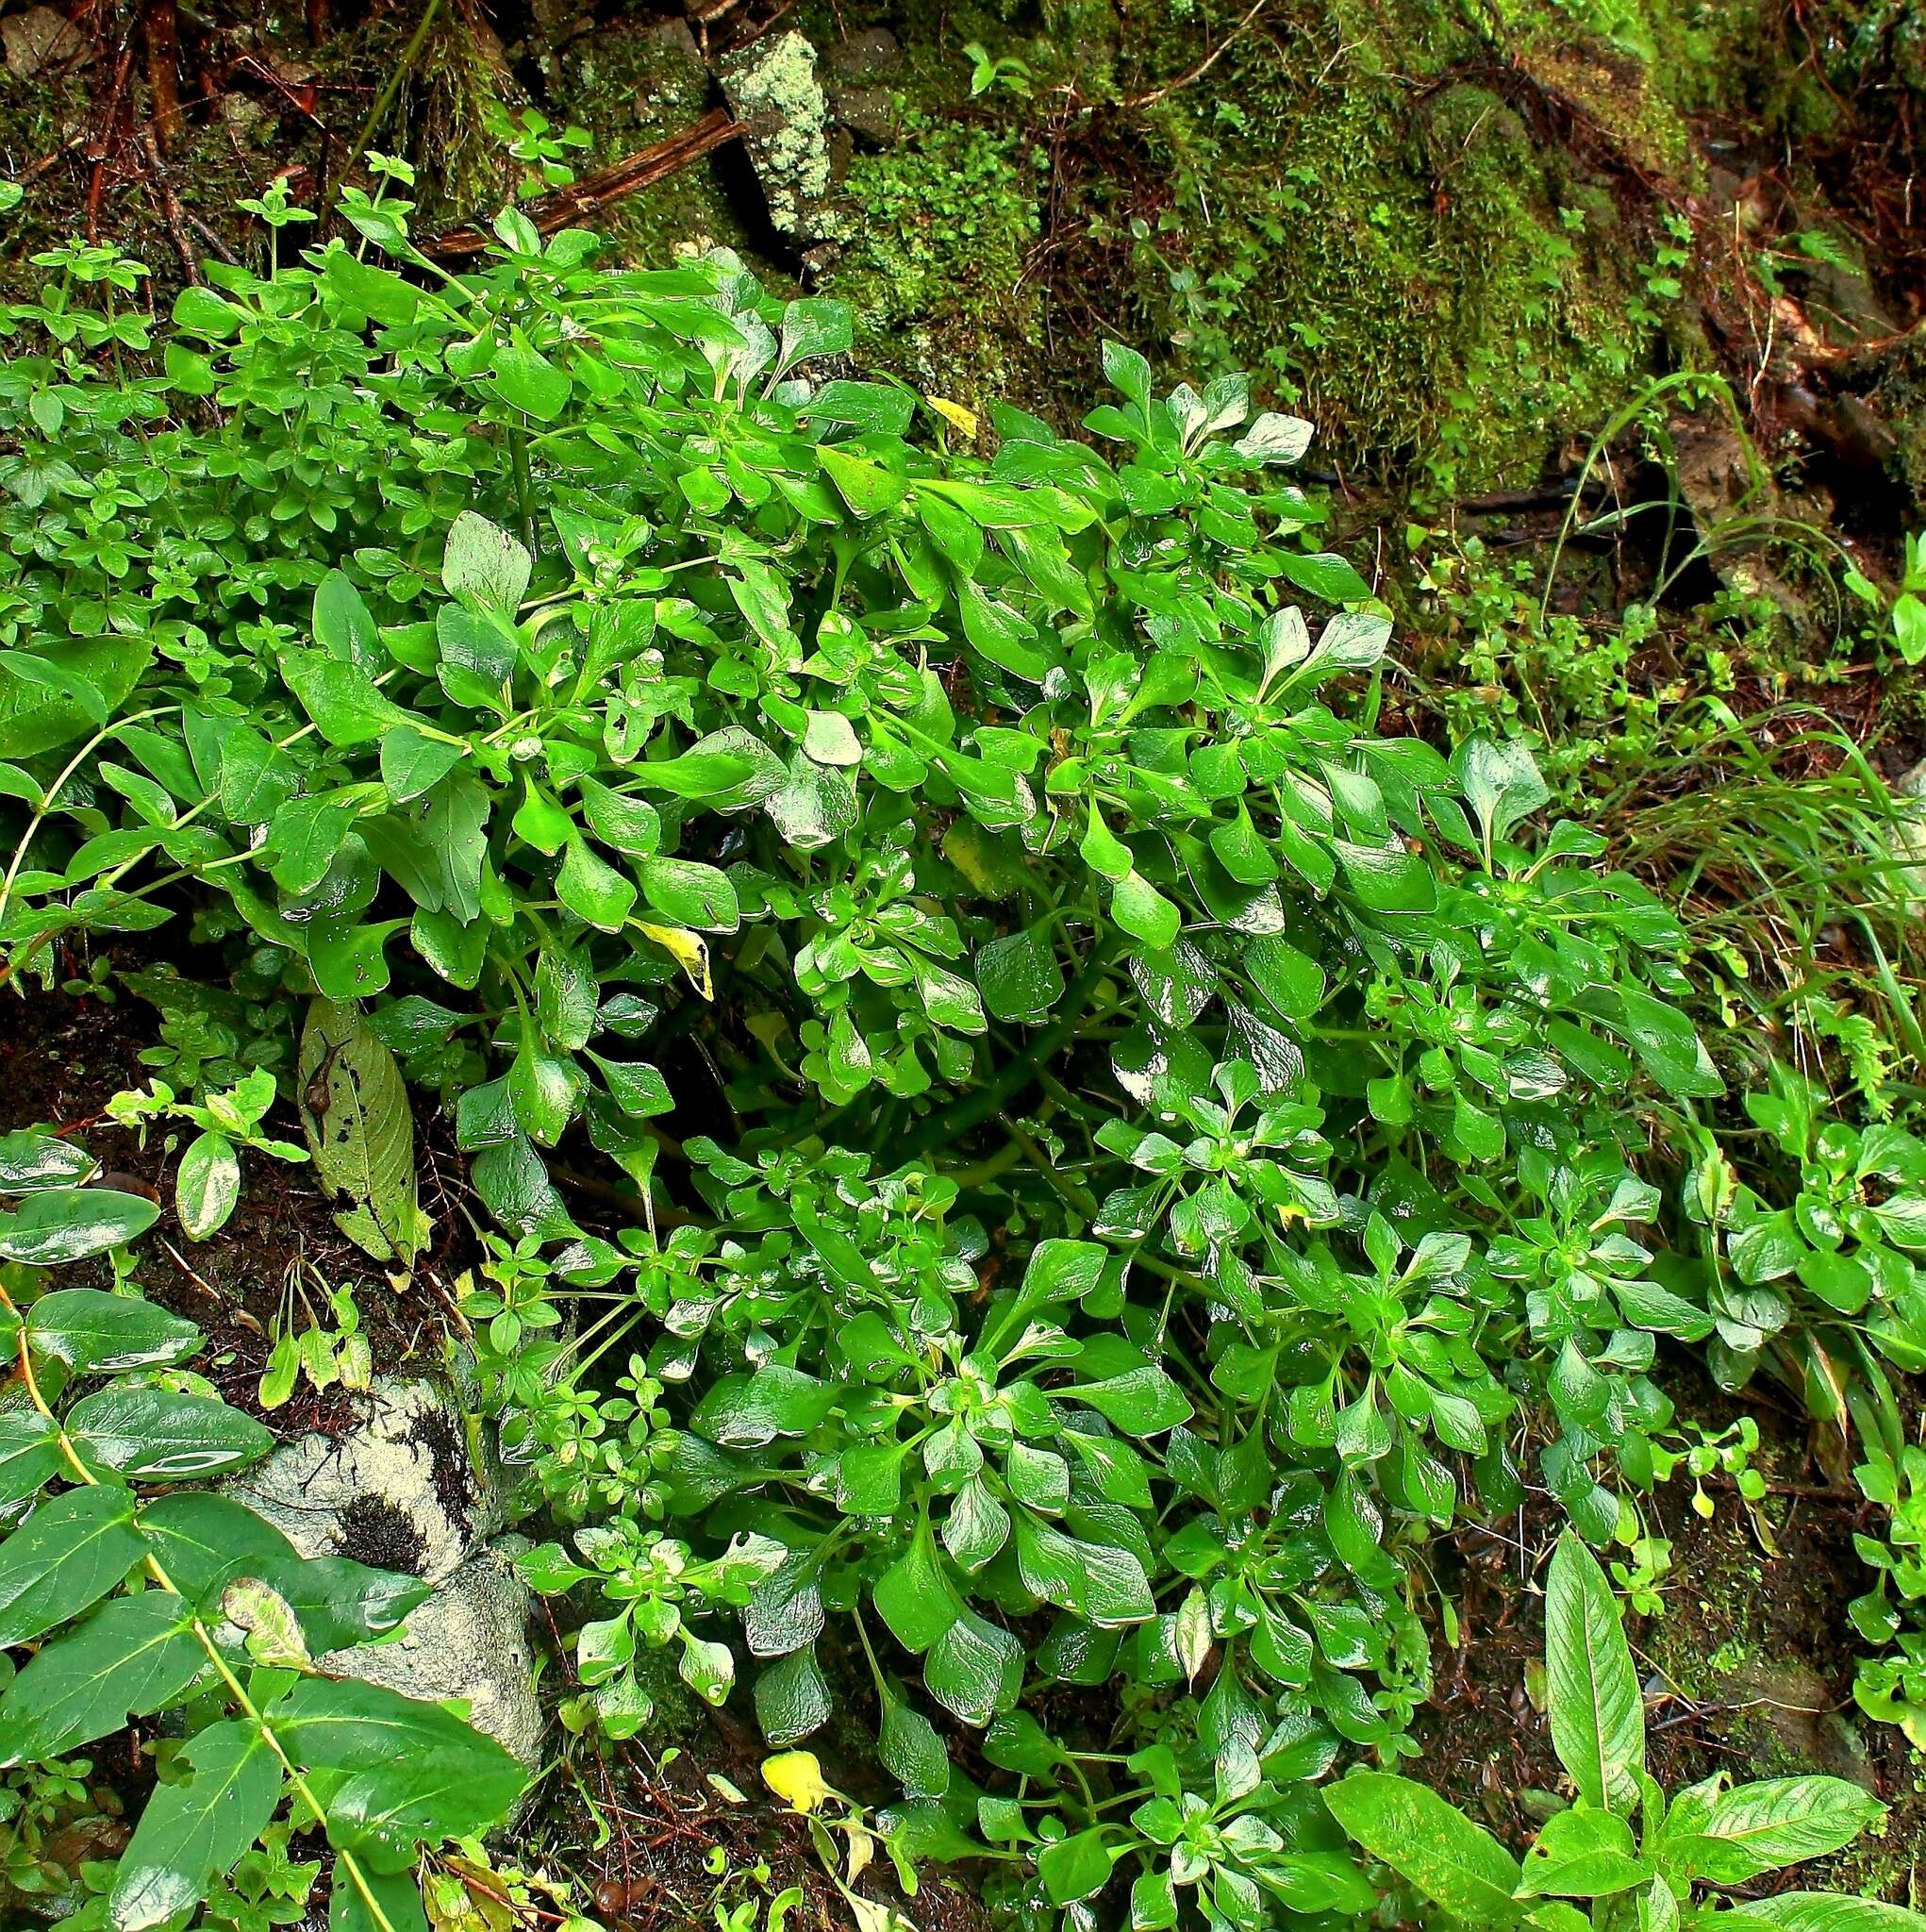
400	1492
469	1640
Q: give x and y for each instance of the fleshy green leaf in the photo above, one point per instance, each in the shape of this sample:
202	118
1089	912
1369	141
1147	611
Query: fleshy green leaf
1427	1841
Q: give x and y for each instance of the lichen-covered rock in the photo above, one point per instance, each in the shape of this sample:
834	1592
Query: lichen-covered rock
772	86
468	1641
401	1491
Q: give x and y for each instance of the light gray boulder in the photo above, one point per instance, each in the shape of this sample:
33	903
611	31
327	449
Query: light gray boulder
469	1640
401	1491
404	1492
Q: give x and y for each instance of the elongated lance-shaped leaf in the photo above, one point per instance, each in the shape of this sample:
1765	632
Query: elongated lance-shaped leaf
1427	1841
1828	1911
199	1826
1598	1716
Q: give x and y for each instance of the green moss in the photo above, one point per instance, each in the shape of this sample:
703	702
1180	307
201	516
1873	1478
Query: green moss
1431	228
1389	245
631	86
940	229
1414	270
465	88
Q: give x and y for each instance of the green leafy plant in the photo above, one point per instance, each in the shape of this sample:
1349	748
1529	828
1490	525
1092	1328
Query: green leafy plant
543	149
1038	1152
1623	1851
1907	616
321	1354
987	72
206	1184
139	1594
1825	1285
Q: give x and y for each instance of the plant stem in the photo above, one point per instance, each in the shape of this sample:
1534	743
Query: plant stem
236	1689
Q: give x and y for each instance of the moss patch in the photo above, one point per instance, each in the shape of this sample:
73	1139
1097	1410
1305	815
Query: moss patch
631	85
935	268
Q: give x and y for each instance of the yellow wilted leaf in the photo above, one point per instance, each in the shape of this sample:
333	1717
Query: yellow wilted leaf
689	950
954	413
862	1848
796	1779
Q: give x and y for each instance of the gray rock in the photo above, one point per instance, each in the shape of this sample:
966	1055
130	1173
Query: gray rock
469	1640
401	1491
1719	478
867	112
1841	292
38	39
1803	1713
675	37
865	56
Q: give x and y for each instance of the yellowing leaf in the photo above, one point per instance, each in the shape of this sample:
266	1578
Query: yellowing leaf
862	1848
689	950
361	1131
956	414
273	1631
796	1779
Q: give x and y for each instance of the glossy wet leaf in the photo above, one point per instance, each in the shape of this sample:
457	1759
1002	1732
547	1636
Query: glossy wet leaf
89	1329
69	1553
197	1826
63	1223
155	1434
1427	1841
1597	1712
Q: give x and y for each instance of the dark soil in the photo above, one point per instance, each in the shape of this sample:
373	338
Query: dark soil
63	1058
1748	1672
691	1832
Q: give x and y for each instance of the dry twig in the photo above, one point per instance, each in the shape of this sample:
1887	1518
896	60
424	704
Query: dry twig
593	191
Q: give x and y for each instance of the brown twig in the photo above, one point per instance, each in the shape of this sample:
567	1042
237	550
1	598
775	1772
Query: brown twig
1202	67
215	245
102	146
169	204
627	177
1817	1492
226	1301
161	25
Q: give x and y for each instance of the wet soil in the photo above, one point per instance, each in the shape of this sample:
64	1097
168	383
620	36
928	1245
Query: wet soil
690	1834
1748	1670
62	1059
